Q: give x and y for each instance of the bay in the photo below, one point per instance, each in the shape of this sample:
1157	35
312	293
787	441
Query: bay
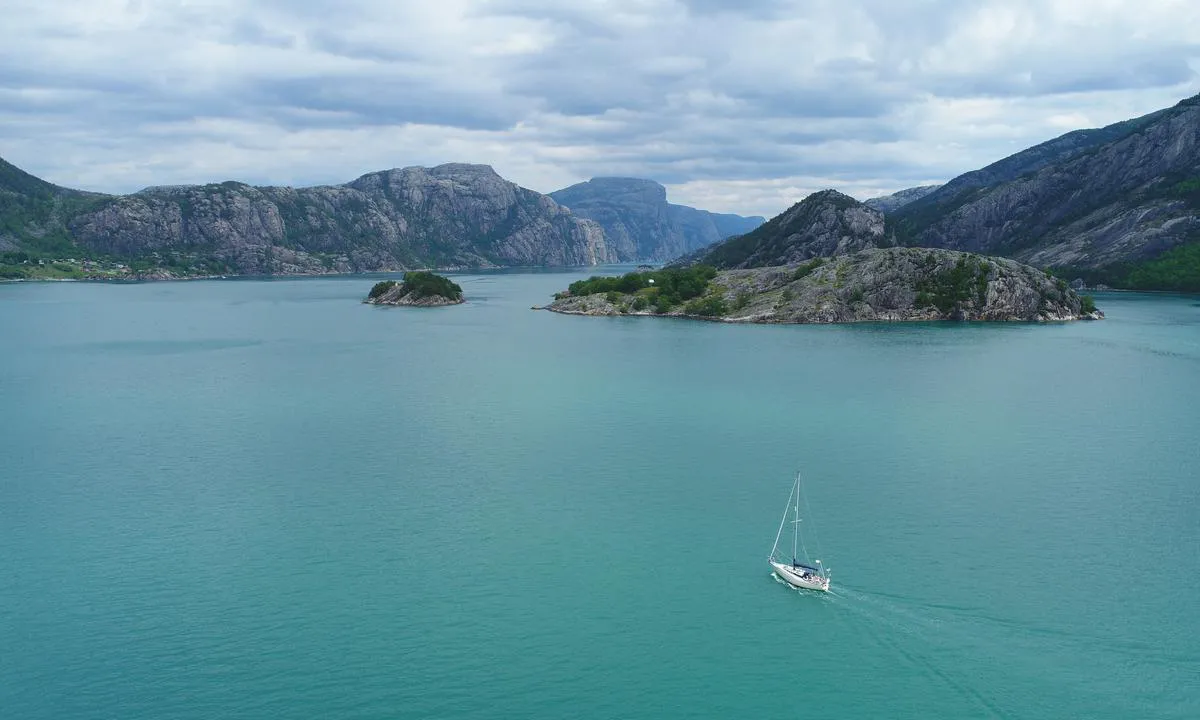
261	498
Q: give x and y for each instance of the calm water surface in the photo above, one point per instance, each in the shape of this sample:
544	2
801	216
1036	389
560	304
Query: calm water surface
264	499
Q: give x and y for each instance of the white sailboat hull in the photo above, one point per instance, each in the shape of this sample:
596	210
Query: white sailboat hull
796	579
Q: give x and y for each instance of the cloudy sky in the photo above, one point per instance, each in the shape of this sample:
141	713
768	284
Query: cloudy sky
736	105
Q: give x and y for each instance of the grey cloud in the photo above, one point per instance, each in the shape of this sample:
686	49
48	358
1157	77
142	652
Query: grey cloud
246	31
385	101
580	19
1136	72
337	44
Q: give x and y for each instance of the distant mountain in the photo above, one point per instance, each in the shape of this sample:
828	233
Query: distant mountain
454	215
1119	204
639	222
823	224
890	203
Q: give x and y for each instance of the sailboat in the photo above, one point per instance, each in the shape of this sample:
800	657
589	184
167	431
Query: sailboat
810	575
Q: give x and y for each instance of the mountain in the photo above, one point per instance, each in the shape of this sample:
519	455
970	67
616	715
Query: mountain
891	203
1119	203
453	215
639	222
823	224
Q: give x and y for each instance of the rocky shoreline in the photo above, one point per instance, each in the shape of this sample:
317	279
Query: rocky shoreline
874	285
410	300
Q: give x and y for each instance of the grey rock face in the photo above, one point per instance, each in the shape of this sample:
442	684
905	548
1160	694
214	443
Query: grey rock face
873	285
449	216
1089	199
639	222
823	224
890	203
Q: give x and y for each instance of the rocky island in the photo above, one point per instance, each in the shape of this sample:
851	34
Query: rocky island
870	285
418	289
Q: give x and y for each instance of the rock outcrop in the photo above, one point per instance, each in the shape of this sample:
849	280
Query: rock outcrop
891	203
823	224
453	215
873	285
641	225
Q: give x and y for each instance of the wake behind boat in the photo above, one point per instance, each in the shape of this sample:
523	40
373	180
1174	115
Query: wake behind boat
809	575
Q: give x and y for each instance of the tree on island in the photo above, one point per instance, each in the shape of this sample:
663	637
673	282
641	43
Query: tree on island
662	288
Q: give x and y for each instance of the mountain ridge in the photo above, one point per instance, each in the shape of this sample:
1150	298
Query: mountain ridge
1099	202
450	215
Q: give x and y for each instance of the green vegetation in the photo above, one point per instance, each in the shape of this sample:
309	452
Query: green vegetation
31	265
380	288
661	291
35	213
1177	269
668	287
707	306
1087	304
424	284
46	271
1186	187
807	268
840	275
948	290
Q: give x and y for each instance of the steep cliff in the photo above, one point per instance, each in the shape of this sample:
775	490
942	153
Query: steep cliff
639	222
453	215
822	224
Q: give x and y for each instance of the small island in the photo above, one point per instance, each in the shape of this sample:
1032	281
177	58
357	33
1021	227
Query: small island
873	285
418	289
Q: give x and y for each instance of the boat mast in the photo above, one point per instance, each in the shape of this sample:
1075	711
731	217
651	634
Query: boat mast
796	519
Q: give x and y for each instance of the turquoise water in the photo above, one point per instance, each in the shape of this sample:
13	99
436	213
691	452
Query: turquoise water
264	499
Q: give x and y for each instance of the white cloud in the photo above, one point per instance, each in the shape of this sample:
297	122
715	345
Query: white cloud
736	106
